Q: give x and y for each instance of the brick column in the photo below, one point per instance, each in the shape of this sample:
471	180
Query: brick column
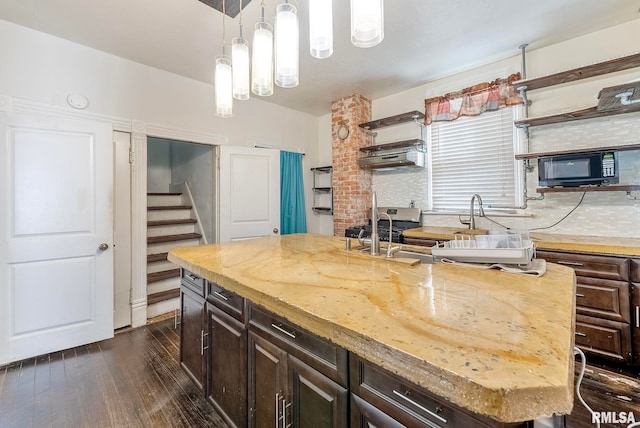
351	185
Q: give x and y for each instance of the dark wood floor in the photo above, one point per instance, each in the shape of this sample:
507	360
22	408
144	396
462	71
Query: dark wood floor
132	380
135	380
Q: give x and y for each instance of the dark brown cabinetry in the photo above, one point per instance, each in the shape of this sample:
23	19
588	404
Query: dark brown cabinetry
227	356
400	403
192	329
635	308
259	370
294	377
604	316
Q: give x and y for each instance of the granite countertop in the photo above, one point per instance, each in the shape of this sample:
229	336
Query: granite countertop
543	241
498	344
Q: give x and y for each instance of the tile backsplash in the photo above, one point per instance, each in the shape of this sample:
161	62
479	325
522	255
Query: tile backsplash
600	214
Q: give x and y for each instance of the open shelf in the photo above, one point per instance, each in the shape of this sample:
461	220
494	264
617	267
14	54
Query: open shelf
323	210
417	143
588	113
611	66
571	152
321	191
612	188
322	169
393	120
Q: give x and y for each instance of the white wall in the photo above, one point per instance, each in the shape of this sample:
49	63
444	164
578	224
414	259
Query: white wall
42	68
194	164
158	165
602	213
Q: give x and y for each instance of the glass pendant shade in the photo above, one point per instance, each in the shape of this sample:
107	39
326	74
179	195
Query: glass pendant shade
262	60
240	60
224	86
321	28
287	46
367	22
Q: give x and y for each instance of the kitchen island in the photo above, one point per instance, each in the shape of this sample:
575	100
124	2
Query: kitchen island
494	343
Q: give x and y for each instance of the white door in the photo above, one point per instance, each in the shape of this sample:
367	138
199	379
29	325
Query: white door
249	203
56	227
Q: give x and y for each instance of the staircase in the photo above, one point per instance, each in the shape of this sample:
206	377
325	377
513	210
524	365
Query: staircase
170	224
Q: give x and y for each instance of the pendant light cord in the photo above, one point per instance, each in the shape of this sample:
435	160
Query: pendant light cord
224	12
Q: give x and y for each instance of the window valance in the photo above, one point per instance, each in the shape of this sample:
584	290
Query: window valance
472	101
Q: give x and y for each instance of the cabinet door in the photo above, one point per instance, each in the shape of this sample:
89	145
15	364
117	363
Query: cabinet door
364	415
635	320
192	335
316	401
267	382
227	366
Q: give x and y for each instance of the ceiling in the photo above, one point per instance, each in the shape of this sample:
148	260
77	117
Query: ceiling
424	39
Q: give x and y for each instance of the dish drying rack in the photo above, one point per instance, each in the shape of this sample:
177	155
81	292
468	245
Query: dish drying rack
502	248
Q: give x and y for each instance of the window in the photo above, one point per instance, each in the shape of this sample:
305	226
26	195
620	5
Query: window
475	155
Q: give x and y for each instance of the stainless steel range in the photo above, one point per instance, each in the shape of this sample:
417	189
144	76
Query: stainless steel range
403	219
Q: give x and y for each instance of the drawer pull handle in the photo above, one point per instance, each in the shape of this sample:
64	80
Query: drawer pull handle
282	330
277	425
579	295
221	296
562	262
424	409
192	277
581	334
637	316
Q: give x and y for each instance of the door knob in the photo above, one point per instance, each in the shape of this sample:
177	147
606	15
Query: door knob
275	231
103	247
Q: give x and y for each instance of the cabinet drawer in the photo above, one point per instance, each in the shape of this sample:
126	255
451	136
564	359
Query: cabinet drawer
603	298
192	281
320	354
230	303
604	338
606	267
409	404
635	270
419	241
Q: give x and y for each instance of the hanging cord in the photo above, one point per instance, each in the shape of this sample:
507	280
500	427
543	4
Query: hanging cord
262	12
224	12
563	218
583	360
540	228
240	18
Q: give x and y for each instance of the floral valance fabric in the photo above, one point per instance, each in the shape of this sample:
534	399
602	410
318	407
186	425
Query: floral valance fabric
472	101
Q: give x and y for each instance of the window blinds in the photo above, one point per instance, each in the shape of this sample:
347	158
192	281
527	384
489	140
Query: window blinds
473	155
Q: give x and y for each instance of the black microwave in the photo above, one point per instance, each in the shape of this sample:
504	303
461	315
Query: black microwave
588	169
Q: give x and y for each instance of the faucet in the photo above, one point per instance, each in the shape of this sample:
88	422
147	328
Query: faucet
375	238
472	222
390	248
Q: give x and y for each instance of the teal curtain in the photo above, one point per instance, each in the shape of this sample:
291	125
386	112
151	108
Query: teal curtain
293	218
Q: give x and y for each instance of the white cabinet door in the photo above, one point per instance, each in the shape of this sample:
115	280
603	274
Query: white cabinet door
56	234
249	203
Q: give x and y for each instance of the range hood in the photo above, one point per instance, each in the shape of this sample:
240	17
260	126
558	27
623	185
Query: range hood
393	155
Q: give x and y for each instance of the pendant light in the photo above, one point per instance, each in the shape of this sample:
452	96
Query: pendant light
223	79
321	28
240	60
262	58
287	46
367	22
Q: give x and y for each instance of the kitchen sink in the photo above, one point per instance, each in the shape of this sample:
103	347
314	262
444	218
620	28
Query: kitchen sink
424	258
